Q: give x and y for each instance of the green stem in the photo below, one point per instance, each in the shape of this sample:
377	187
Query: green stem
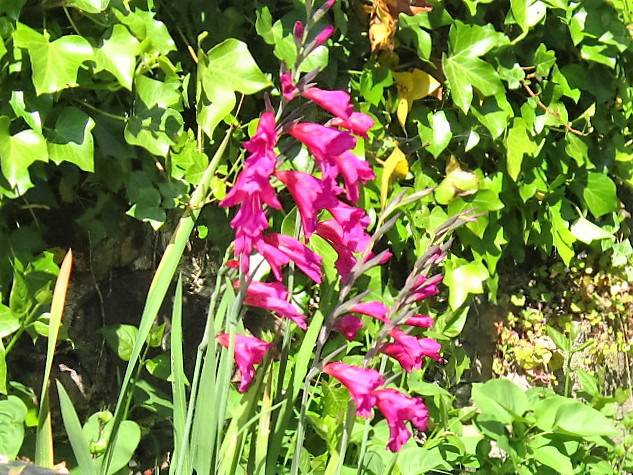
28	320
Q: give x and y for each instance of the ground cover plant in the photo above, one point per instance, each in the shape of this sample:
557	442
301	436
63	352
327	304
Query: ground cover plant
323	202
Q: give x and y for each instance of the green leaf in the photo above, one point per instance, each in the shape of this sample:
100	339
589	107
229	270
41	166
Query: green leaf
578	419
3	369
159	366
55	64
90	6
319	58
466	279
518	144
501	399
550	456
117	55
588	382
418	460
473	40
600	194
18	152
121	339
143	25
226	68
71	139
451	323
463	72
126	442
587	232
560	340
12	415
437	133
544	59
519	12
9	322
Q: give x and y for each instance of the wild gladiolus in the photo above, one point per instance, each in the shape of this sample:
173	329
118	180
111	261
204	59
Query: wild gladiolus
279	249
273	296
397	408
348	326
249	351
359	382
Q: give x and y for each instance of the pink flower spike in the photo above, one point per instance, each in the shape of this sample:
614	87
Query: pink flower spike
417	347
359	382
353	223
273	296
298	30
249	351
322	142
353	170
424	288
377	310
288	88
422	321
309	195
397	408
348	326
358	123
332	232
335	102
324	36
279	249
398	352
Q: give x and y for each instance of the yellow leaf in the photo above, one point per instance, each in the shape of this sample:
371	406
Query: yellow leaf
396	166
412	86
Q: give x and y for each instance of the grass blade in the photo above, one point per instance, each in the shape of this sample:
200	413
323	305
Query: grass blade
158	289
44	434
178	382
75	434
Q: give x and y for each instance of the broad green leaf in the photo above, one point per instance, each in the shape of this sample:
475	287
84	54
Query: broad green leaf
9	322
588	382
464	72
438	134
518	144
599	194
90	6
117	55
71	139
33	117
472	5
550	456
519	12
12	8
18	152
12	415
128	438
418	460
563	238
587	232
55	64
474	41
225	69
584	421
544	59
466	279
121	339
559	339
144	26
500	398
319	58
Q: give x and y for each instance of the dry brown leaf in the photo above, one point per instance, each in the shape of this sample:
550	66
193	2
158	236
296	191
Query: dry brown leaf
383	21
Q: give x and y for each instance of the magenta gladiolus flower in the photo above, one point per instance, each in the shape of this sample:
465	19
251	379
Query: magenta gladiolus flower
288	88
332	232
309	195
348	326
397	408
335	102
279	249
249	351
322	142
273	296
359	382
353	223
422	321
377	310
424	288
358	123
353	170
324	36
398	352
417	347
252	190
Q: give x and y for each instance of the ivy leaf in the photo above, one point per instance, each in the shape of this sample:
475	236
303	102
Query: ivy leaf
466	279
599	194
55	64
463	72
117	55
519	12
71	140
3	48
396	166
518	144
90	6
436	131
225	69
587	232
143	25
18	152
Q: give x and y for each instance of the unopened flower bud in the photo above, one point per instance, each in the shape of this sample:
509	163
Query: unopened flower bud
324	36
298	30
